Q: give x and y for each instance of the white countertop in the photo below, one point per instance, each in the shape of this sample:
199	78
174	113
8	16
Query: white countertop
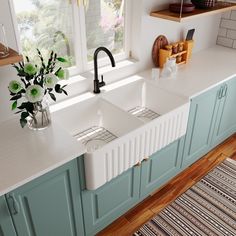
26	154
205	70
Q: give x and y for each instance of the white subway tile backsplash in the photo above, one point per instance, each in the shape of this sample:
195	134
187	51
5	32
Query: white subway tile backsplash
231	34
233	15
234	44
229	24
226	15
222	32
225	41
227	30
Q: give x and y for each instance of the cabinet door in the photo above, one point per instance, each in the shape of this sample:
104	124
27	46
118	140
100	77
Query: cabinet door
161	167
226	117
6	224
105	204
200	123
49	205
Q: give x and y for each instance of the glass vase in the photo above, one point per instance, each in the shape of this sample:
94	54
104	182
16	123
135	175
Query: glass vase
40	119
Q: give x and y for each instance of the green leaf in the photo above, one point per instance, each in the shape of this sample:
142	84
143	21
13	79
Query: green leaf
23	122
61	59
28	106
24	115
18	112
58	88
64	92
14	105
53	97
16	97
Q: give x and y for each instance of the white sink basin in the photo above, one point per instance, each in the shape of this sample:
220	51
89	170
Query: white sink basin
144	100
116	135
79	118
98	125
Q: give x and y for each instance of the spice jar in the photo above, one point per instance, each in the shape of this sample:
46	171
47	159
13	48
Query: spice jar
174	48
181	46
178	59
168	47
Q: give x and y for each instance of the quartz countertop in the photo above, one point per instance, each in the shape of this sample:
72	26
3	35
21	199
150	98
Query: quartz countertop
205	70
26	154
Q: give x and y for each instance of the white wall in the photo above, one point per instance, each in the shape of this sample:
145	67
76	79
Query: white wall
145	28
205	34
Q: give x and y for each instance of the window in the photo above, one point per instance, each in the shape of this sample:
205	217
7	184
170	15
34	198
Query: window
73	31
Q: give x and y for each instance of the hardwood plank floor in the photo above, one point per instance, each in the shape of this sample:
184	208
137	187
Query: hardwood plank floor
127	224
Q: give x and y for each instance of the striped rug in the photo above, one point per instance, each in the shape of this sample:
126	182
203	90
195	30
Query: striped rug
207	208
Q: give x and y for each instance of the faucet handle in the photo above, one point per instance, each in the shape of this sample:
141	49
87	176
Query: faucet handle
102	83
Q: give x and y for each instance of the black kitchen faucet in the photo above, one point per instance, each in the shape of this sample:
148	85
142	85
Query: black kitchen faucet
97	83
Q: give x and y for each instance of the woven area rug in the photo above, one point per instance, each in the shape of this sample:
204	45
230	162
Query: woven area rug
207	208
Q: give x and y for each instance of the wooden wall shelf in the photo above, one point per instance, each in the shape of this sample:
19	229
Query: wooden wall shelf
12	58
218	8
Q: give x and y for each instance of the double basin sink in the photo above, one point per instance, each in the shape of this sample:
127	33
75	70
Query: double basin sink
129	121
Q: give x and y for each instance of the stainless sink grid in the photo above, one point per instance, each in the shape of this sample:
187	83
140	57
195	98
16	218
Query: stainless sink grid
143	113
95	133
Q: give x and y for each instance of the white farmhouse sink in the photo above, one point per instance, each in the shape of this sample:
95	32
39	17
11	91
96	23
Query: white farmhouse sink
116	135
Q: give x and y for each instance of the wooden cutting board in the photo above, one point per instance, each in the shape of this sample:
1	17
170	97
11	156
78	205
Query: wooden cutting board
160	42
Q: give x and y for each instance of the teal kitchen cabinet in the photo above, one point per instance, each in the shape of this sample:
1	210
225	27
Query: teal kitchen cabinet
161	167
6	224
49	205
225	124
202	115
105	204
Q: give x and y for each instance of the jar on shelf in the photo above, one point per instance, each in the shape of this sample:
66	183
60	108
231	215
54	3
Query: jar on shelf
168	47
174	48
181	46
178	59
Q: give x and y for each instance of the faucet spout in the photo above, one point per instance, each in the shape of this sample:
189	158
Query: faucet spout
97	83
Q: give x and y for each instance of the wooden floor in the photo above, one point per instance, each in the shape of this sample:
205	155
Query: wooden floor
127	224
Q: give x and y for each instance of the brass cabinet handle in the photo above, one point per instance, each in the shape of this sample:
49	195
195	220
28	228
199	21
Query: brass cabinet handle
138	164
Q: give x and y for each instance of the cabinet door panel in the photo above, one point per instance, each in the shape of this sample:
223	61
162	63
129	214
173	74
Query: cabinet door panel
105	204
226	118
49	205
160	167
6	224
201	119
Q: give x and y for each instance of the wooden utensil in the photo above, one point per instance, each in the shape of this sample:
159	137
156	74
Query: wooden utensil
160	42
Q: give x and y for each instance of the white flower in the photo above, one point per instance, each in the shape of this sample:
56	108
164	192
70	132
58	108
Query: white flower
50	80
15	86
63	74
34	93
30	69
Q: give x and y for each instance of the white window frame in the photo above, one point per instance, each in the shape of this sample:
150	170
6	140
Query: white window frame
80	45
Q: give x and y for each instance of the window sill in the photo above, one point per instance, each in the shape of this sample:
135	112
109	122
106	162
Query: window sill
106	70
83	83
